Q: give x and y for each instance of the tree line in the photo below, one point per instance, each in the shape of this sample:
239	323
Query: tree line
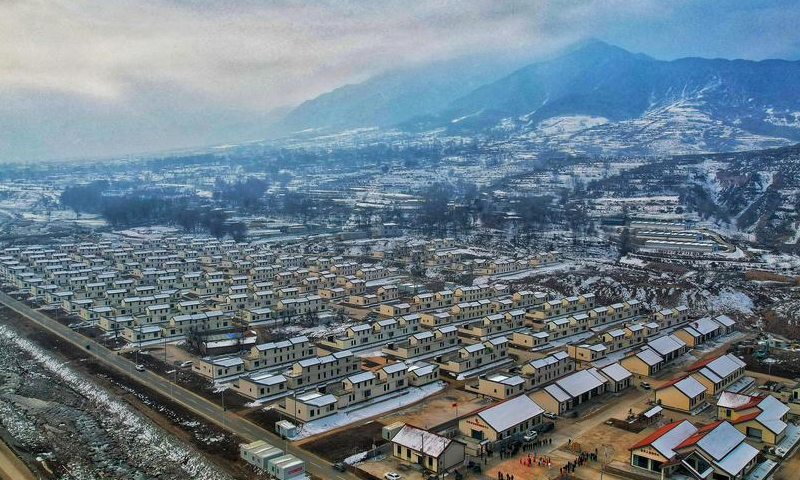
139	207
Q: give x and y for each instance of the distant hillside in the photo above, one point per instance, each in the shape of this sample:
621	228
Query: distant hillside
596	99
396	96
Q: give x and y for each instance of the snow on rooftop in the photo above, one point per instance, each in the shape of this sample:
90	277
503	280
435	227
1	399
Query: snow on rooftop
420	440
733	400
705	325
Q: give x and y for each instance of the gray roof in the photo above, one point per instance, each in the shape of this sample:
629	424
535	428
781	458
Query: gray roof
690	387
725	320
506	379
578	383
556	392
725	365
666	344
721	440
512	412
361	377
317	399
616	372
673	437
395	367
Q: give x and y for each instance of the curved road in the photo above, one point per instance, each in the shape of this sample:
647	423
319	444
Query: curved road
197	404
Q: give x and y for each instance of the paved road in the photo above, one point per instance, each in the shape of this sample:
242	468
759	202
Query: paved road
199	405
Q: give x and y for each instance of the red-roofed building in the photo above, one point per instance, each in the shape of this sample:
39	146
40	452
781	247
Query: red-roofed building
657	449
761	417
680	450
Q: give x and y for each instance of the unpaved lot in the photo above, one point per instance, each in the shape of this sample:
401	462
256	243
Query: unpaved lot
438	409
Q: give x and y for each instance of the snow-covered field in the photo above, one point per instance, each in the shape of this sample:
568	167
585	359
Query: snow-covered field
103	437
367	410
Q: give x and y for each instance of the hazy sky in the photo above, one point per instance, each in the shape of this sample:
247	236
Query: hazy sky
83	78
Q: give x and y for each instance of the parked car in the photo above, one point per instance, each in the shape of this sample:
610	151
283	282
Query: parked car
339	467
530	436
645	385
392	476
550	415
544	427
140	367
186	364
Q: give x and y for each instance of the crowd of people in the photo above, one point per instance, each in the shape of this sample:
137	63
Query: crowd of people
583	459
545	461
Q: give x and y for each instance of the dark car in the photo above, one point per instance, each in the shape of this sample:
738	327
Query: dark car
544	427
339	467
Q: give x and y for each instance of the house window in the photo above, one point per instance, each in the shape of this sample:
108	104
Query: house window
754	432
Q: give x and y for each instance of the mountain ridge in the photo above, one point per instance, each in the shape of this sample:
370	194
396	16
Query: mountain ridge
598	99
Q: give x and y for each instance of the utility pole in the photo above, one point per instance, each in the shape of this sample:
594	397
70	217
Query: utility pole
172	385
604	454
223	409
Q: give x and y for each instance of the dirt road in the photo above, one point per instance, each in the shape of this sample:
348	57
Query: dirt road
11	467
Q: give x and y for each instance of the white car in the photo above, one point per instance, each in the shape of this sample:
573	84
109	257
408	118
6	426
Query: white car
140	367
550	415
186	364
530	436
392	476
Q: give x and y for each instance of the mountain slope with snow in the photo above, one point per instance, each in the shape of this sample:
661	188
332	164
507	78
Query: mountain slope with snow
596	99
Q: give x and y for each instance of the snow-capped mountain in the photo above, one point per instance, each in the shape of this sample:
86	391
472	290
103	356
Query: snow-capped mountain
601	99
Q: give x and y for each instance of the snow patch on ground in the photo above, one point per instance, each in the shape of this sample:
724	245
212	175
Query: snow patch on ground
638	262
340	419
357	458
730	301
121	420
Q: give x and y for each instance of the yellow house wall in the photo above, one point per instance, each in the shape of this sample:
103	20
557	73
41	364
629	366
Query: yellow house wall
672	397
